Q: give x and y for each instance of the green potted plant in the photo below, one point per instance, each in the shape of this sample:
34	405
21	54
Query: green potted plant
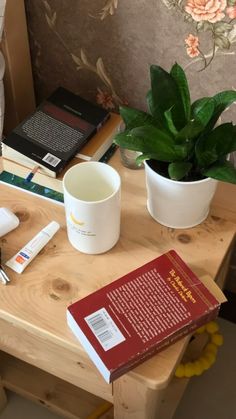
184	152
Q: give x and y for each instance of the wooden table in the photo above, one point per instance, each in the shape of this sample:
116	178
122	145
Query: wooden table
34	332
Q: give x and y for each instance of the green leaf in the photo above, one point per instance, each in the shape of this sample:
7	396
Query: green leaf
121	138
151	109
222	101
151	140
165	95
221	27
182	150
170	123
222	41
206	158
218	143
204	26
178	170
191	130
154	141
170	4
202	110
179	76
140	159
188	18
225	172
150	103
135	118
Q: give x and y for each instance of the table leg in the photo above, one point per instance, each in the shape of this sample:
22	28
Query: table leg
3	397
132	400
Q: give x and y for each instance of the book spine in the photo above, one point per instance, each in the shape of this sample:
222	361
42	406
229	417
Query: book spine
169	340
101	149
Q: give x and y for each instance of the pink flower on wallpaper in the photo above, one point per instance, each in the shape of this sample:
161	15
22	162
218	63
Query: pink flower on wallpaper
192	41
231	12
192	52
105	99
210	10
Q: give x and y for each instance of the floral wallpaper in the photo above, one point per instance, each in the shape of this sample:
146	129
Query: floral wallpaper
102	50
105	93
214	19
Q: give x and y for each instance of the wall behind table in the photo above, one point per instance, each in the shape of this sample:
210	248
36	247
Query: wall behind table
103	49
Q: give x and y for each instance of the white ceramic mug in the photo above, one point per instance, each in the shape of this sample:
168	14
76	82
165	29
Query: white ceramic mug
92	205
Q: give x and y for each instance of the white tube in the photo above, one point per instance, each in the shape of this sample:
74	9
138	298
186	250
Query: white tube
8	221
22	259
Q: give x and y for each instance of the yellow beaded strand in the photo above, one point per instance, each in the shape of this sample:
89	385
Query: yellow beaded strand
208	356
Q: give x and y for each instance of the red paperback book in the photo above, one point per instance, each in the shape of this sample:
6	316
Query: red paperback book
139	314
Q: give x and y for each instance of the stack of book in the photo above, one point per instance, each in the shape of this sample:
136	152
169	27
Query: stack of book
140	314
63	131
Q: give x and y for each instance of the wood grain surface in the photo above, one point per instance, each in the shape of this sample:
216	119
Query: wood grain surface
45	389
35	302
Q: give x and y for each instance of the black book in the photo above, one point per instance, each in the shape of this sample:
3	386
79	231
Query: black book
53	134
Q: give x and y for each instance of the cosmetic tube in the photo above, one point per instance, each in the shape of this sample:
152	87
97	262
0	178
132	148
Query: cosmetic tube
22	259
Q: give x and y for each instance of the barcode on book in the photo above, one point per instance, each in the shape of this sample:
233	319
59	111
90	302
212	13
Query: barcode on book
104	328
51	159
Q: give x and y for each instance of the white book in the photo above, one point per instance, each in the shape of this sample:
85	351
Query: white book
13	155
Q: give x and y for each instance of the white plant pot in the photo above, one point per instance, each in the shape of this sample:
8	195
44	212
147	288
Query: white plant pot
178	204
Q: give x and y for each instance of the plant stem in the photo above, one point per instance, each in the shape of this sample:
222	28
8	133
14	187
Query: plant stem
211	59
204	59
